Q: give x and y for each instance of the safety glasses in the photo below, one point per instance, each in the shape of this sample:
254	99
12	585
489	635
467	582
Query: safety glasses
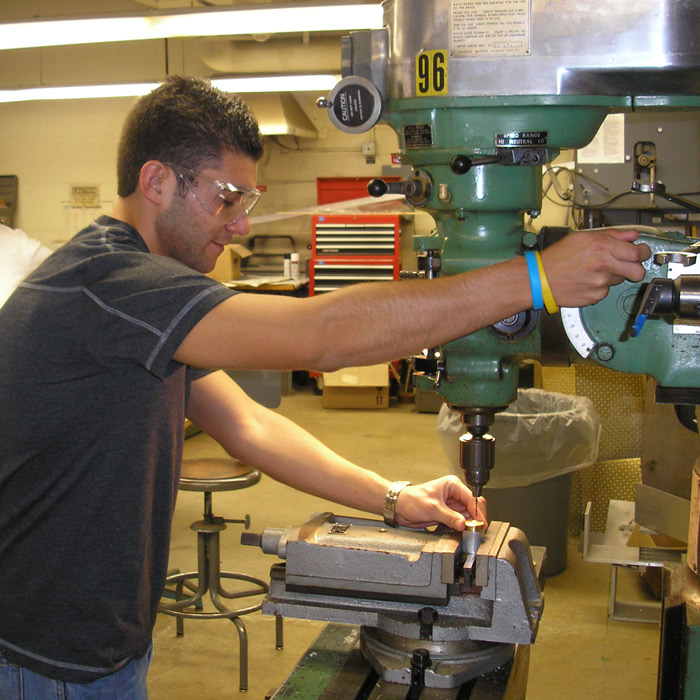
223	200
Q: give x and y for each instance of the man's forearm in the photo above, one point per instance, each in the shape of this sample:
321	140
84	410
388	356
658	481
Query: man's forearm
377	322
278	447
363	324
366	324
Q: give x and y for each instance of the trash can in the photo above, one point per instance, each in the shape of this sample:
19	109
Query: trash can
541	439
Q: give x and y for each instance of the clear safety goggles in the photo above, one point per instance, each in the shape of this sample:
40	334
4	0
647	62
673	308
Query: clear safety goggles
223	200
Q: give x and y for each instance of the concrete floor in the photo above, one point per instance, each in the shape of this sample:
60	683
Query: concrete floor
579	652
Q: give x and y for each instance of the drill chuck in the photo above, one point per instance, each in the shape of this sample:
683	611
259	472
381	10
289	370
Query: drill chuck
476	479
477	453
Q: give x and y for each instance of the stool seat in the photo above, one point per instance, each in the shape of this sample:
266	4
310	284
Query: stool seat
216	474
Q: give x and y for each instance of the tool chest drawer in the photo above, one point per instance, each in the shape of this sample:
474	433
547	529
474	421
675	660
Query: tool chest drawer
354	235
328	275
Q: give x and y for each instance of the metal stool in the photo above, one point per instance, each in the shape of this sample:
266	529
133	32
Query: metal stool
209	475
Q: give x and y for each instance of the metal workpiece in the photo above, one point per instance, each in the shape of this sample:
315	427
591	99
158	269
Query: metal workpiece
472	539
472	536
357	571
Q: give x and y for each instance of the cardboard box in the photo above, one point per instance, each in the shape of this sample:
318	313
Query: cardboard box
357	387
228	266
427	401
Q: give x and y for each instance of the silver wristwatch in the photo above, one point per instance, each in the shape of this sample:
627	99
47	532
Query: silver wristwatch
389	511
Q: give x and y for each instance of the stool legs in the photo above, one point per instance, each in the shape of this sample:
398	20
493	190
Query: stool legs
242	653
208	580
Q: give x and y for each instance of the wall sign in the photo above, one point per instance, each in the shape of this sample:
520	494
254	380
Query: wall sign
85	196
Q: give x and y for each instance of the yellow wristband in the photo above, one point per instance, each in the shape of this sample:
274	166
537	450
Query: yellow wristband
547	295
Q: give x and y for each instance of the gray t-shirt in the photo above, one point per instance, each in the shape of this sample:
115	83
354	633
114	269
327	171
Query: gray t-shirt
91	433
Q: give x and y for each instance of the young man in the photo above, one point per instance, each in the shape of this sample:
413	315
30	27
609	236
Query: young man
99	347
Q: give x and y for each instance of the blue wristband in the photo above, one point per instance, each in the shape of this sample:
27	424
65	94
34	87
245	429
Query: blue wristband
535	284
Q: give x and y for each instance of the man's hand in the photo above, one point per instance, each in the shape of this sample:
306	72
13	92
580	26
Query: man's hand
583	265
445	500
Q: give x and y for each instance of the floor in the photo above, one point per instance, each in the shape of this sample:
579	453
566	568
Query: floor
579	654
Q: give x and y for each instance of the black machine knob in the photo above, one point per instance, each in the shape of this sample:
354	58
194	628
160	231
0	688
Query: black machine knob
377	187
462	164
417	187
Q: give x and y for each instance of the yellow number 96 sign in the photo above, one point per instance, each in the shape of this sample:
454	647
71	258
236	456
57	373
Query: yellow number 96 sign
431	73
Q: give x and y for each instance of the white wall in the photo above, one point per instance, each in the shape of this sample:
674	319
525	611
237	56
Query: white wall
51	145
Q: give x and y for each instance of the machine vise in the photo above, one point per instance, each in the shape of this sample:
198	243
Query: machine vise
463	601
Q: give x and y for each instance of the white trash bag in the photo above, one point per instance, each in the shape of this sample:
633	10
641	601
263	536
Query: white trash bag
541	435
19	255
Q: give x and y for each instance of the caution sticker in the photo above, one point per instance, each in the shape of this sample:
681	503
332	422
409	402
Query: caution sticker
356	105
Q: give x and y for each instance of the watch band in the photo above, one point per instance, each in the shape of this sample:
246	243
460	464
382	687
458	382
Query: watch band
389	511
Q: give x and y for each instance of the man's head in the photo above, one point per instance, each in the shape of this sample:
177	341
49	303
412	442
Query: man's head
188	122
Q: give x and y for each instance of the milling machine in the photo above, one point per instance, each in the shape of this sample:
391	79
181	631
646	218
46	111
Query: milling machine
482	95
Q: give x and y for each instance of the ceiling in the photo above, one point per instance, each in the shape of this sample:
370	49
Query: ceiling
28	9
151	60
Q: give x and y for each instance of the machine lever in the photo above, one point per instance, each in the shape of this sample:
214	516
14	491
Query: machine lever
659	189
417	187
462	164
378	187
245	521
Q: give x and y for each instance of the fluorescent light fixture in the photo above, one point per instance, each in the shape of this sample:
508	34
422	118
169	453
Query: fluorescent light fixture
277	83
206	22
76	92
265	83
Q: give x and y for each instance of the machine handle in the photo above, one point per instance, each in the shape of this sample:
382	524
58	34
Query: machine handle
659	189
378	187
462	164
417	187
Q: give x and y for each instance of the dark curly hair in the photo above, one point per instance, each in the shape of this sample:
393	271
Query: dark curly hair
185	121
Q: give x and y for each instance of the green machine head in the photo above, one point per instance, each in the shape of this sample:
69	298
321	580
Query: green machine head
482	95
